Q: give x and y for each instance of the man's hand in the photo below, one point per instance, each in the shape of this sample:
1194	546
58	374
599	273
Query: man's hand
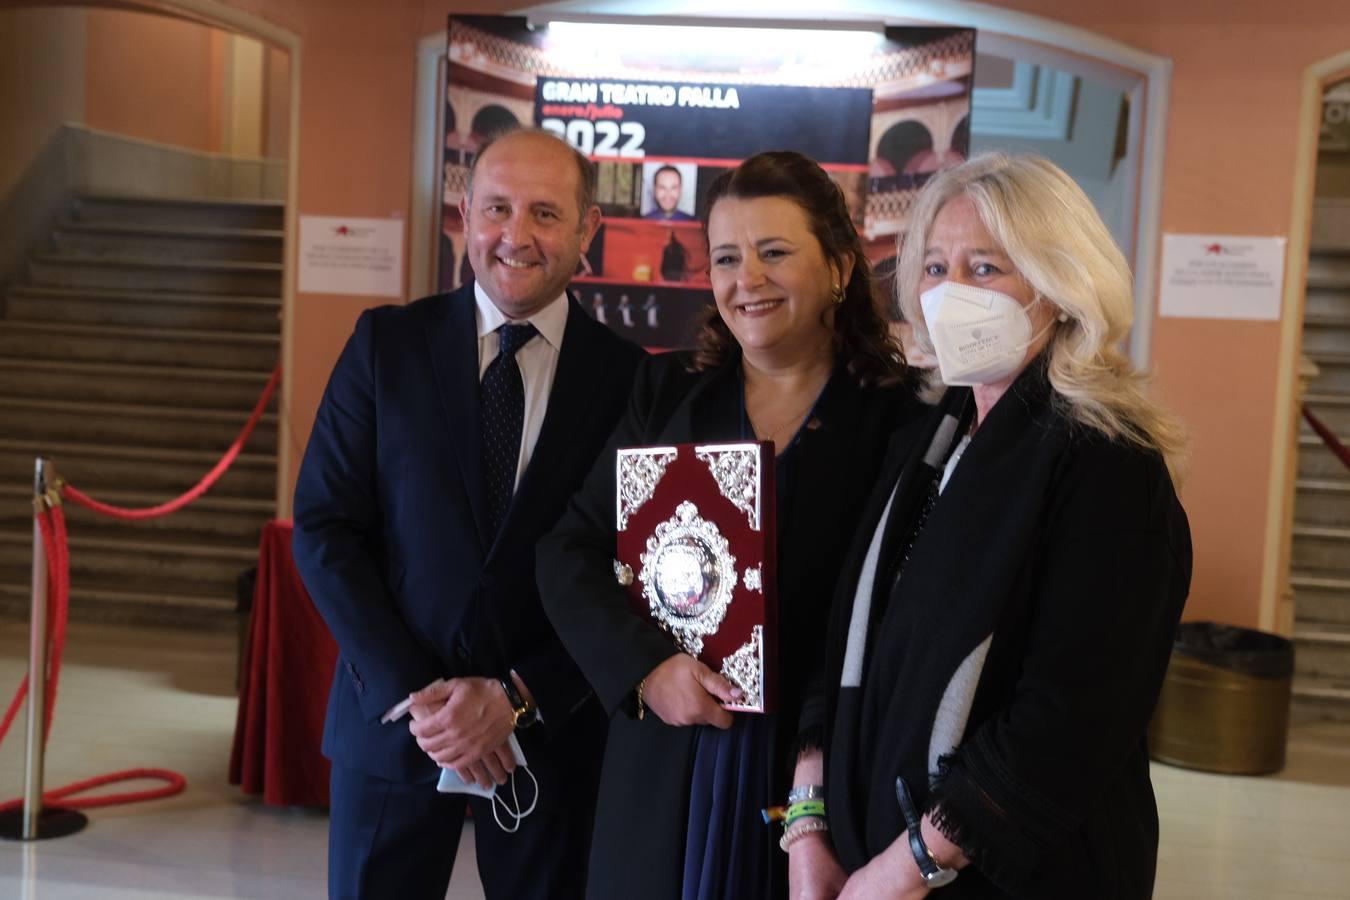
463	724
683	691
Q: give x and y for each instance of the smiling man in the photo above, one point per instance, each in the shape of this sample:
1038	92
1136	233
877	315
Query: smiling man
450	437
667	190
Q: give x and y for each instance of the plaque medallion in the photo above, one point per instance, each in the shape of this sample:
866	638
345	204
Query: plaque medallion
688	576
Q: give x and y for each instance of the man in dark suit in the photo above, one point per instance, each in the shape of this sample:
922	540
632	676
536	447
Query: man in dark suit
451	434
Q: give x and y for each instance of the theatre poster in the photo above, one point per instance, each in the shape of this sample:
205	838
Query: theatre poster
662	120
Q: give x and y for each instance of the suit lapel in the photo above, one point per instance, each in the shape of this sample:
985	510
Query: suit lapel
452	340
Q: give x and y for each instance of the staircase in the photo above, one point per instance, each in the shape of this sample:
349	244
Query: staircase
131	357
1320	564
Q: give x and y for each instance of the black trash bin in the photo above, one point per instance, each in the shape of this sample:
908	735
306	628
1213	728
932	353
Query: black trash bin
1225	701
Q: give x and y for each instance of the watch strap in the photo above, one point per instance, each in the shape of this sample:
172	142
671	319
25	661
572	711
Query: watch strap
523	715
934	875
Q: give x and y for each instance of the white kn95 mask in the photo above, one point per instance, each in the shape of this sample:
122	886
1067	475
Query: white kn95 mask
979	336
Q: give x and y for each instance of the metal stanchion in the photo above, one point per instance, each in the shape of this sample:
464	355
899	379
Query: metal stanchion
32	821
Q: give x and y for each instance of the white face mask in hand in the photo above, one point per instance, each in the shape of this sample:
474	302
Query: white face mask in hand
451	783
979	336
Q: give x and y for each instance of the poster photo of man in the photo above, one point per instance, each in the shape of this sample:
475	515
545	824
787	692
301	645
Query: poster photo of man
668	193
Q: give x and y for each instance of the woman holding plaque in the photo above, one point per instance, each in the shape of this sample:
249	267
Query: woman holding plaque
1008	609
794	353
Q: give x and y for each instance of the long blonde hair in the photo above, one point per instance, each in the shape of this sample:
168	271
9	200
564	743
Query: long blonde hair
1061	248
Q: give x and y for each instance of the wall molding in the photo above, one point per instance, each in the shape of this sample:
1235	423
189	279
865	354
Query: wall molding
1284	448
1038	105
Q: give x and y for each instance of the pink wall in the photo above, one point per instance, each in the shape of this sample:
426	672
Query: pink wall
1229	164
154	77
1232	133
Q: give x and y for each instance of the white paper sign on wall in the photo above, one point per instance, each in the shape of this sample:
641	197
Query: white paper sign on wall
351	256
1208	276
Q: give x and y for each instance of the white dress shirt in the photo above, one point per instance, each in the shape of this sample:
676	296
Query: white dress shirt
538	360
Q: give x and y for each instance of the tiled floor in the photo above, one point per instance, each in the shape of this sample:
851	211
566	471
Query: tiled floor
162	698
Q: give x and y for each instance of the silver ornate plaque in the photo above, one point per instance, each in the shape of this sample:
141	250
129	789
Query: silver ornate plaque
639	471
745	669
753	579
735	468
688	576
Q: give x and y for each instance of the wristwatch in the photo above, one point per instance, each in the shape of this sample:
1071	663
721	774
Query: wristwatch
523	714
934	875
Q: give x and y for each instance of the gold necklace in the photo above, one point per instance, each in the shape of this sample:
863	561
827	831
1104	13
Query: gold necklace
795	417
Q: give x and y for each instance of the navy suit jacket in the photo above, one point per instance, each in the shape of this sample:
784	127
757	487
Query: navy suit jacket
391	537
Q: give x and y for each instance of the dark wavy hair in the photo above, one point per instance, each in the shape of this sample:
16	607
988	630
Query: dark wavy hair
861	337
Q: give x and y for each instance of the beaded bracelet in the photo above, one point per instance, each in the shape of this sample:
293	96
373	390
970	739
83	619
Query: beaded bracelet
800	830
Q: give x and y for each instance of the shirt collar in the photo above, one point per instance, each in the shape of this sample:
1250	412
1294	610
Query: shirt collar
551	321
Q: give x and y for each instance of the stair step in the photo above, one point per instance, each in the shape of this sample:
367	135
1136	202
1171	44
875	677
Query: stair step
1333	371
1315	459
219	389
86	572
131	273
1336	319
1321	697
225	521
140	608
1322	650
1322	501
142	346
193	569
177	427
156	472
1322	547
98	239
1326	300
1321	598
187	212
203	312
1326	333
1329	269
1332	409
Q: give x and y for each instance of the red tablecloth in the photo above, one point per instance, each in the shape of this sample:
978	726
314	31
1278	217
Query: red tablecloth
283	690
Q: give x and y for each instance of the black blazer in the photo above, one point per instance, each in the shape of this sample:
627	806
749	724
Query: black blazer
390	530
644	793
1071	555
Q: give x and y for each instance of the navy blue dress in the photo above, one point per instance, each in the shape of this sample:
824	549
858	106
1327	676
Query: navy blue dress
728	847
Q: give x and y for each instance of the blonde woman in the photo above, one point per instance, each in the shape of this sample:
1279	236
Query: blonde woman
1007	611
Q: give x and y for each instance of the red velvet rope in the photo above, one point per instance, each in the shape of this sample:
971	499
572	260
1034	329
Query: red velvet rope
1328	437
51	523
70	492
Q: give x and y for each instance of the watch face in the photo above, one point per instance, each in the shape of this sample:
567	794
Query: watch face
940	878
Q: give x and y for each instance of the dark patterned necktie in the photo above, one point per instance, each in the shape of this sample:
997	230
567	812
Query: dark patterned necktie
502	408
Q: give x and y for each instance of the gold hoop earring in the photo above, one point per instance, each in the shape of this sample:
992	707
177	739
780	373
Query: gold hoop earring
836	294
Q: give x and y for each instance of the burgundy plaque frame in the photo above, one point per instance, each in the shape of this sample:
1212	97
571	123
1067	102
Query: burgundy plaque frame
696	548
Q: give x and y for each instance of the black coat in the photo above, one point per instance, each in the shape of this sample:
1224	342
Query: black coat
1070	555
638	847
